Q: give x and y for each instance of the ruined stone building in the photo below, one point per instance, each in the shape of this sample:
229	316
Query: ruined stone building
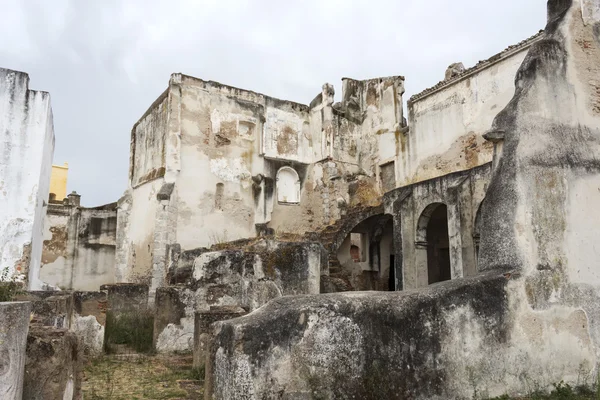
511	222
475	206
211	163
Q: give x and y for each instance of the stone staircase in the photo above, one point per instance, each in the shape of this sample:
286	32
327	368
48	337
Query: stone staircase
331	238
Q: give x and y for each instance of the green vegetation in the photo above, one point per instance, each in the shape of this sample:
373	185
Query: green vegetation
9	287
141	377
132	329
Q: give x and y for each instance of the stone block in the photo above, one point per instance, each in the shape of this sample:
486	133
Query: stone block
49	308
174	319
123	297
53	368
14	325
202	329
89	320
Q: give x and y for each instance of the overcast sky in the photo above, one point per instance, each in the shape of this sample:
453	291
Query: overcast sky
105	61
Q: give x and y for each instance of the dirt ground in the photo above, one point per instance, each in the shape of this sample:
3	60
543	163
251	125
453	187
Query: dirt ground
137	377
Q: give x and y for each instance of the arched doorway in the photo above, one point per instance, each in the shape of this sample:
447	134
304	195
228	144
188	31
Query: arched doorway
365	259
433	243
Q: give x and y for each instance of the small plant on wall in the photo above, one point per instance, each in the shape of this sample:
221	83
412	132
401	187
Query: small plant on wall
9	287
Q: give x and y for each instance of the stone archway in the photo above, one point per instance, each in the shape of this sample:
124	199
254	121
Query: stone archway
364	258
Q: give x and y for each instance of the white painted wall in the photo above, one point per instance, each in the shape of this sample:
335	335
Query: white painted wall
26	151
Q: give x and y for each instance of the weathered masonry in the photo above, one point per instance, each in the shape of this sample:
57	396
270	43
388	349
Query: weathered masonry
271	166
26	150
266	166
79	245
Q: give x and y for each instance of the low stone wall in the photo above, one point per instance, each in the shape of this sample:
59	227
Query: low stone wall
54	369
14	326
454	340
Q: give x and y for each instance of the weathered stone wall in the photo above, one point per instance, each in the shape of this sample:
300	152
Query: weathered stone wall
221	134
14	326
246	277
54	368
129	319
49	308
148	143
145	221
79	246
455	340
203	330
447	122
138	254
27	147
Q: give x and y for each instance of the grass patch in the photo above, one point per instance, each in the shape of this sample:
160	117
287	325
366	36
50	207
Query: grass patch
141	377
132	329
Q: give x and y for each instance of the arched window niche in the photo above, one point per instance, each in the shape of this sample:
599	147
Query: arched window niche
288	186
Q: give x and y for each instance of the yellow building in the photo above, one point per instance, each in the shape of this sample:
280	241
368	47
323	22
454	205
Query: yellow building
58	181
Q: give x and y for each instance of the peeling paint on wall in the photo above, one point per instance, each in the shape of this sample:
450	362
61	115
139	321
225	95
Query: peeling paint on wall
25	166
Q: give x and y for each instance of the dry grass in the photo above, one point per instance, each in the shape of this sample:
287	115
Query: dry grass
132	376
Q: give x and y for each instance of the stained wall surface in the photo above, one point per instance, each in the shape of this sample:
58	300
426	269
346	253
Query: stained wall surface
447	122
26	150
79	247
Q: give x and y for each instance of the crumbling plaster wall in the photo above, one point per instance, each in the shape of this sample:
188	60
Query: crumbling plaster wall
221	130
376	106
79	247
137	219
27	147
446	126
358	136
